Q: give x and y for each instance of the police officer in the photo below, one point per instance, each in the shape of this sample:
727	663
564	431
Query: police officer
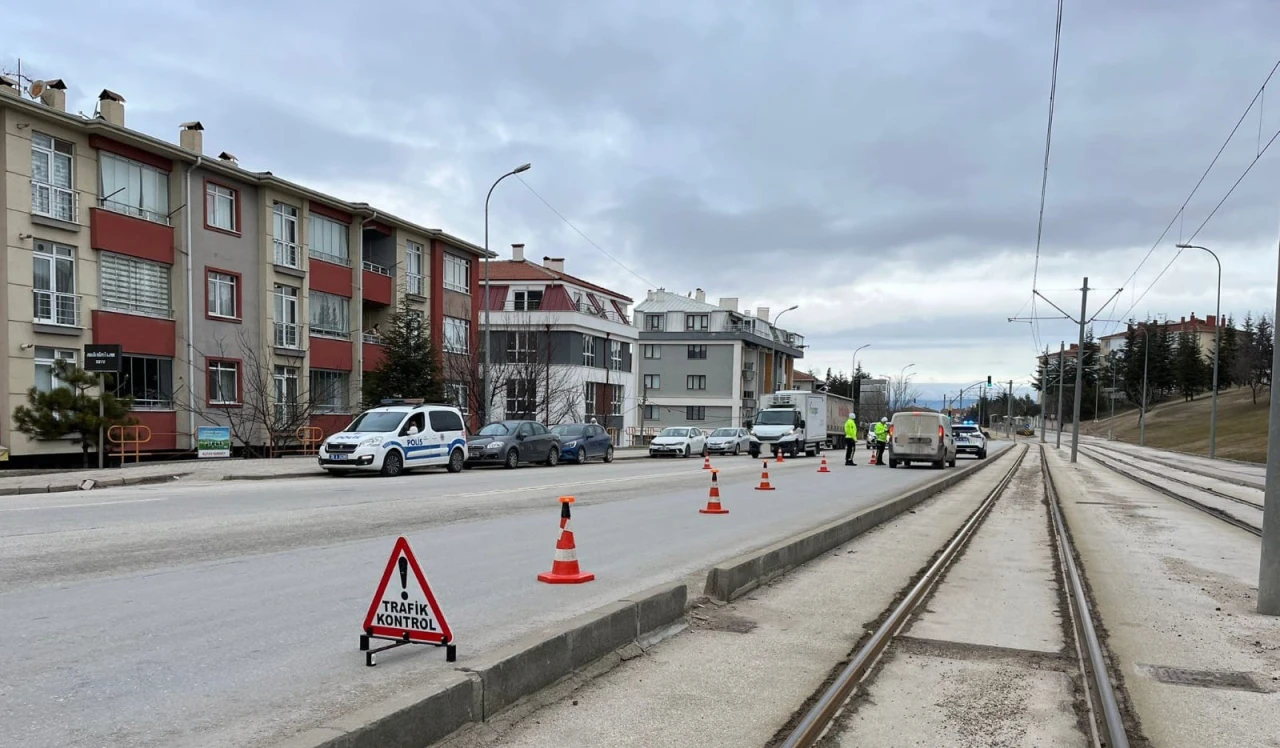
850	438
882	438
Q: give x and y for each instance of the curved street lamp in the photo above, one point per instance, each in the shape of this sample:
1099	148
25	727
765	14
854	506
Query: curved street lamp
484	388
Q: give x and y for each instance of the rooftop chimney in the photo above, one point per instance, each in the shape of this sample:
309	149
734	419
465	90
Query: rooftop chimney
700	295
54	94
191	137
229	158
763	313
8	85
553	263
517	252
111	107
729	302
1213	320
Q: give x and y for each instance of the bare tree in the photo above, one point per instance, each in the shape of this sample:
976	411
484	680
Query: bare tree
901	393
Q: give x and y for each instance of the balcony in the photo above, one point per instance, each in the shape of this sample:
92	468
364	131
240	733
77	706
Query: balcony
58	203
374	351
288	254
52	308
134	236
378	283
288	335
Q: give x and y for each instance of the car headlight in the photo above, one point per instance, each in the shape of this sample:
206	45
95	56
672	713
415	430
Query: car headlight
571	444
492	447
372	441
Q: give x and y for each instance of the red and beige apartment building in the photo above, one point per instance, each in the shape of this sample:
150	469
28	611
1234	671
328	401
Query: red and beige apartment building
200	270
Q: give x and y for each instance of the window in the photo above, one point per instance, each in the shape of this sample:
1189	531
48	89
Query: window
285	232
224	382
589	399
653	381
46	374
330	390
286	302
695	382
651	413
330	315
133	188
618	391
695	413
522	347
134	286
457	335
457	274
286	390
522	398
329	240
445	420
413	268
52	176
54	284
457	392
652	351
655	322
220	207
697	351
148	380
615	355
527	301
223	297
696	321
588	350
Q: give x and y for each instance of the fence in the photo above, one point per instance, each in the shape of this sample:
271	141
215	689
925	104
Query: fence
125	437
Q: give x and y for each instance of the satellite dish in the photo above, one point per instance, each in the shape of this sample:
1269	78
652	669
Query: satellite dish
37	88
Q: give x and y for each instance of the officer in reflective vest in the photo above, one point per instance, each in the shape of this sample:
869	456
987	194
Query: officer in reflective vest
882	439
850	438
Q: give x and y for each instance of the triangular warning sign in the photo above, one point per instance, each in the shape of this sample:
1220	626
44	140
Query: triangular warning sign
404	604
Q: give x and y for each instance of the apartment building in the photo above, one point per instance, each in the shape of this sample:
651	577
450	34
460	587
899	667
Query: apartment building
706	365
562	348
1203	329
226	288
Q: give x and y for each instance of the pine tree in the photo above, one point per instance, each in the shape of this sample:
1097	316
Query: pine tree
410	367
1189	365
70	409
1262	350
1229	351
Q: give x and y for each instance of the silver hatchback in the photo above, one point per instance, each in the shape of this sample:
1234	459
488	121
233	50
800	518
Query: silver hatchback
729	441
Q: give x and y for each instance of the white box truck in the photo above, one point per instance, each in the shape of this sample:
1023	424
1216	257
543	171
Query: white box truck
798	422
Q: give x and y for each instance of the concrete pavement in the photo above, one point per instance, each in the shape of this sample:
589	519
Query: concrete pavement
209	616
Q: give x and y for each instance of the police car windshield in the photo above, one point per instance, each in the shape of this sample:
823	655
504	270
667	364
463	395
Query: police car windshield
495	429
570	429
376	422
725	432
776	418
674	432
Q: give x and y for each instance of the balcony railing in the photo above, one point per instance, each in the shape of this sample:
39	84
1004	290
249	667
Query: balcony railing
375	268
287	335
135	211
328	257
287	254
52	308
135	307
54	202
413	284
586	308
372	337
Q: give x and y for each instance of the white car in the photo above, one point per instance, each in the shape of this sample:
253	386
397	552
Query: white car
970	440
395	438
679	440
729	441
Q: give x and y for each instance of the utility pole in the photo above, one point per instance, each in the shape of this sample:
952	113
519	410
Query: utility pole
1062	370
1075	420
1008	424
1044	392
1269	571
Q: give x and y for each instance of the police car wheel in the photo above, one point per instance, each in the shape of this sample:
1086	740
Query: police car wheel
456	461
392	464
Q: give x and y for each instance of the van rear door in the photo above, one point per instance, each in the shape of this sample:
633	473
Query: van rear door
915	434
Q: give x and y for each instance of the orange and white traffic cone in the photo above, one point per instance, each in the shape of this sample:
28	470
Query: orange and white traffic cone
873	457
564	569
823	468
764	479
713	502
778	456
706	461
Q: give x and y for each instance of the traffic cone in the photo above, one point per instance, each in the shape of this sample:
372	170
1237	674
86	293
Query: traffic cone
713	502
779	457
873	457
564	569
706	461
764	479
823	468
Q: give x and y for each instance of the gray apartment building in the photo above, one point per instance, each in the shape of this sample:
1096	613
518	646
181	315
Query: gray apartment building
706	364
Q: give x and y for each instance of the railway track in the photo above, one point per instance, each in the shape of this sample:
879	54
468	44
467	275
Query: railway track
1106	723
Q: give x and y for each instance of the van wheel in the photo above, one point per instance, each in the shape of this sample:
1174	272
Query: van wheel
513	460
951	463
456	461
608	455
982	454
893	463
392	464
937	464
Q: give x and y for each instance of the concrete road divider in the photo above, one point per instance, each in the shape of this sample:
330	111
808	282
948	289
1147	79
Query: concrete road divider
480	689
737	576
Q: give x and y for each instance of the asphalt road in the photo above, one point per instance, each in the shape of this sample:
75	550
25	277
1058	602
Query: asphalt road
228	615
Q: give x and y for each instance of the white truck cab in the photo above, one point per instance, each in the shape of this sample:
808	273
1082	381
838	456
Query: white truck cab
790	421
396	437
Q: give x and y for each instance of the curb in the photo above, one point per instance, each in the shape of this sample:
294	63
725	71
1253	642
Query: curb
501	678
735	577
104	483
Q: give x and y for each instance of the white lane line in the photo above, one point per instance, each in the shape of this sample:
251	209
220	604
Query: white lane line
80	506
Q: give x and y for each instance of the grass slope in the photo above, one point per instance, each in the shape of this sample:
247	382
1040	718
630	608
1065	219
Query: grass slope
1184	426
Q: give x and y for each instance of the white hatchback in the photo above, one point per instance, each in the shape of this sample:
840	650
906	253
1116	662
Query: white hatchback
679	440
395	438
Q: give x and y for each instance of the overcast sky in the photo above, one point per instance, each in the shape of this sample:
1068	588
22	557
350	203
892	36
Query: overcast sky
877	163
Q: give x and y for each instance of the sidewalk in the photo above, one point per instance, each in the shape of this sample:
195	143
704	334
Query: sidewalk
57	481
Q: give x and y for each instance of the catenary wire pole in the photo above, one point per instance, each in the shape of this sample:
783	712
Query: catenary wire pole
1269	569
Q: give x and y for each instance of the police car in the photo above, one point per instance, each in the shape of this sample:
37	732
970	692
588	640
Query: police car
970	439
400	435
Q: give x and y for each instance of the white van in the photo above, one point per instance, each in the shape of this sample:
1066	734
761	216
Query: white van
921	437
395	438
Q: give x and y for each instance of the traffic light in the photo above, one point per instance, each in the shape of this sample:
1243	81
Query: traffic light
988	380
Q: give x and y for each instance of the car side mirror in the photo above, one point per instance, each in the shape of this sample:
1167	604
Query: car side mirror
519	437
802	425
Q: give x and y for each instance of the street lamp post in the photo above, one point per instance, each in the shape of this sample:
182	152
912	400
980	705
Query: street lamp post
1142	412
853	377
778	359
1217	345
484	388
784	311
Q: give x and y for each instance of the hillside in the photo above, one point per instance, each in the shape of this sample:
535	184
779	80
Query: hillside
1184	427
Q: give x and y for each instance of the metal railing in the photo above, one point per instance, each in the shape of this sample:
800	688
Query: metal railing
53	308
327	257
59	203
135	212
146	310
287	254
372	337
587	308
375	268
126	437
413	284
287	335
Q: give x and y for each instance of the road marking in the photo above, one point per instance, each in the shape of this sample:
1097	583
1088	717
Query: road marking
80	506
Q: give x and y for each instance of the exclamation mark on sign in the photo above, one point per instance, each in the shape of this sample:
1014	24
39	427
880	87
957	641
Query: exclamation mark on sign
404	578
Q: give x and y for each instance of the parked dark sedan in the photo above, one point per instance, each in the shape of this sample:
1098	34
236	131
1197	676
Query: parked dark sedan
509	443
580	442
